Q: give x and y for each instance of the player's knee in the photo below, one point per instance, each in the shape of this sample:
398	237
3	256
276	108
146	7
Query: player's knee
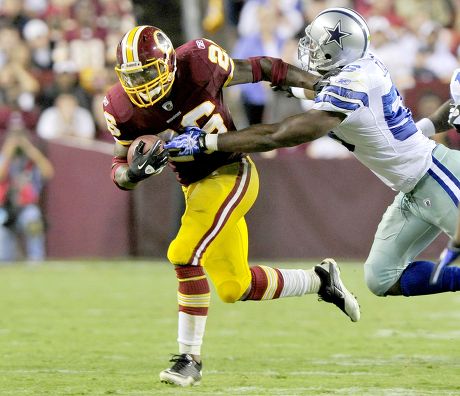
374	287
373	282
229	291
176	255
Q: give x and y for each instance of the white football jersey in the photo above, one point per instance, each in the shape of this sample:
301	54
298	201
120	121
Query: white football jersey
378	128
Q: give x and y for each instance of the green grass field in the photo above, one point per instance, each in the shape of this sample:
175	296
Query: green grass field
81	328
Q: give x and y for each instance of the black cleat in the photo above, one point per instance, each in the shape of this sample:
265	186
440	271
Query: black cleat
332	289
184	372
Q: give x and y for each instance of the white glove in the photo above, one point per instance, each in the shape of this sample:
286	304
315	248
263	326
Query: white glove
454	116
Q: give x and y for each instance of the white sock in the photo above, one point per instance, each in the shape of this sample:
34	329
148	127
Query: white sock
298	282
190	333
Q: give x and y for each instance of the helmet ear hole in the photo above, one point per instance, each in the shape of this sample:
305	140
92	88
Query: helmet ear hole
328	56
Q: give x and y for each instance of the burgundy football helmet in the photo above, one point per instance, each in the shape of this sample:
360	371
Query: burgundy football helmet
146	64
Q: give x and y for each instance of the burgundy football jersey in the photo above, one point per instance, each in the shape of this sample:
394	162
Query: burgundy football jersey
196	99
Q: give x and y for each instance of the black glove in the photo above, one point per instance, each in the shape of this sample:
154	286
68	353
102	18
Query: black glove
148	164
454	116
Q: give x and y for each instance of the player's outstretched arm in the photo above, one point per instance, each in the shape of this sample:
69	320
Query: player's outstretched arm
290	132
274	70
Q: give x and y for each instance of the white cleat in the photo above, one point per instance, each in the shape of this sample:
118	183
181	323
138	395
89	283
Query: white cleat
332	289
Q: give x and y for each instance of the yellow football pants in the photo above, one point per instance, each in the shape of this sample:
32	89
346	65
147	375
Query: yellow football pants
213	231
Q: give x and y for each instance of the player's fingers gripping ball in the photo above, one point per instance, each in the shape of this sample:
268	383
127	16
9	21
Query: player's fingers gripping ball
146	157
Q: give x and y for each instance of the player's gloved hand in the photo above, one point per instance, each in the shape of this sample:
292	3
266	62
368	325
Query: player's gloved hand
454	116
190	142
148	164
447	257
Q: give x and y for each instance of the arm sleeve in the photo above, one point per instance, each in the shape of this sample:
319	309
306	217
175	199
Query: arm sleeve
343	99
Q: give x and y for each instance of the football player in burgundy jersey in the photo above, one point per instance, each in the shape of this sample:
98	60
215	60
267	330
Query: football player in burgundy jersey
161	91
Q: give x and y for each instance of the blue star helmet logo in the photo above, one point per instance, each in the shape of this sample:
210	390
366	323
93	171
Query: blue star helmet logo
335	35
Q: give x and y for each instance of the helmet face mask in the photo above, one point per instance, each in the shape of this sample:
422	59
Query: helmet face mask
146	65
336	37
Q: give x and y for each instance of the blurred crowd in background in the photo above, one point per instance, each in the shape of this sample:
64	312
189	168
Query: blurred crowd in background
57	59
57	56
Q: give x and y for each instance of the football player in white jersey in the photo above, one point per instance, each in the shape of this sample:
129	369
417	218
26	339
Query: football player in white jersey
359	106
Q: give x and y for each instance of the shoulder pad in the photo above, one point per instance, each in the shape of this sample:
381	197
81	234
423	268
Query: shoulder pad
117	103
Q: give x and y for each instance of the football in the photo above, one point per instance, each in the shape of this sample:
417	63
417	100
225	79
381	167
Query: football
149	141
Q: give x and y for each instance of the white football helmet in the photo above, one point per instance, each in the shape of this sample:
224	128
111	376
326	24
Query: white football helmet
336	37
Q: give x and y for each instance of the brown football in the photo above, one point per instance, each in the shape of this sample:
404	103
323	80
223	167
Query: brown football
149	141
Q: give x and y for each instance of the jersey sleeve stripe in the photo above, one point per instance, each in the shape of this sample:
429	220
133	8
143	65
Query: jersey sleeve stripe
341	104
347	94
230	75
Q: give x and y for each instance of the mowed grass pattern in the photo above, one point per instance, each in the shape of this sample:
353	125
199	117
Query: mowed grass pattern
103	328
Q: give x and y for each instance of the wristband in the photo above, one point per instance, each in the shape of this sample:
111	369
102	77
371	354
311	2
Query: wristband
426	126
278	70
256	68
210	141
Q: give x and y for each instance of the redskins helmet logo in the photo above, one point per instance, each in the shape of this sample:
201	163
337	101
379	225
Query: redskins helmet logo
162	41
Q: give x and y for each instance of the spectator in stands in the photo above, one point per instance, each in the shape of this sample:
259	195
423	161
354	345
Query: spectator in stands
289	19
434	56
66	119
214	17
387	9
23	170
16	78
385	44
66	80
264	41
311	8
36	34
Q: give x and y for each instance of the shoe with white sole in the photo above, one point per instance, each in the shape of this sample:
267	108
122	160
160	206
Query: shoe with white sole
184	372
332	289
